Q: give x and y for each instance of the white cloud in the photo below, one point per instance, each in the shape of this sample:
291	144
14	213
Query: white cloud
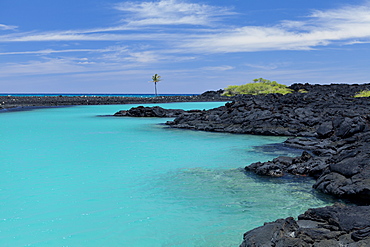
121	54
287	24
106	59
253	38
143	57
345	26
7	27
60	36
219	68
45	52
321	28
264	67
48	66
354	42
89	35
170	12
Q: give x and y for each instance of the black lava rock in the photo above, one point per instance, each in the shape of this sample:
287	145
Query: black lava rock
336	225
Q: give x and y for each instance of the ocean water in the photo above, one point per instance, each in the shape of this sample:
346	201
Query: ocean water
74	177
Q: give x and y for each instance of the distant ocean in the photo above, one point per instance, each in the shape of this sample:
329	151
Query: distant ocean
92	95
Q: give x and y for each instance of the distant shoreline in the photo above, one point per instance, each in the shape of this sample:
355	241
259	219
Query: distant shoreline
17	103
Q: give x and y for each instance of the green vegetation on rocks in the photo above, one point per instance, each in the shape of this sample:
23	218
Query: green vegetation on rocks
302	91
365	93
258	86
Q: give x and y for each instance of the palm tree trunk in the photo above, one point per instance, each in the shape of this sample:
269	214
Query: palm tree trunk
155	87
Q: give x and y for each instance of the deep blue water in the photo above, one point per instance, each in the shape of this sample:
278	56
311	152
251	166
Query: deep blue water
70	177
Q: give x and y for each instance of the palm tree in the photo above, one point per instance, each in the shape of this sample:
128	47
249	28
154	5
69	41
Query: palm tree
156	78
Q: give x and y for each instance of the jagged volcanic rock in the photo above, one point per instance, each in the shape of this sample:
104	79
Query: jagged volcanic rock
155	111
336	225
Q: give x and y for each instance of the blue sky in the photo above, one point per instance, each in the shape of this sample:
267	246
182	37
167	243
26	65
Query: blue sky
112	46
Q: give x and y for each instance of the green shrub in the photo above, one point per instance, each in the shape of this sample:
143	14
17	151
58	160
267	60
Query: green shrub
365	93
259	86
302	91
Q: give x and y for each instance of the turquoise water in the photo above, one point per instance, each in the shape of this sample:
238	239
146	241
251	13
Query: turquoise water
70	177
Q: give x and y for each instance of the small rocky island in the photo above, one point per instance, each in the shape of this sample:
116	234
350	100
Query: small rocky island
326	121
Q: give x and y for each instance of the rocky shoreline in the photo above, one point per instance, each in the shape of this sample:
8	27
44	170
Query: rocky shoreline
333	127
326	121
330	226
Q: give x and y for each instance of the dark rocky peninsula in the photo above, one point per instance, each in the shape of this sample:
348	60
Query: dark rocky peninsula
333	127
29	102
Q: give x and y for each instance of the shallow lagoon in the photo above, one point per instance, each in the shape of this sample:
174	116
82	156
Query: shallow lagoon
70	177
